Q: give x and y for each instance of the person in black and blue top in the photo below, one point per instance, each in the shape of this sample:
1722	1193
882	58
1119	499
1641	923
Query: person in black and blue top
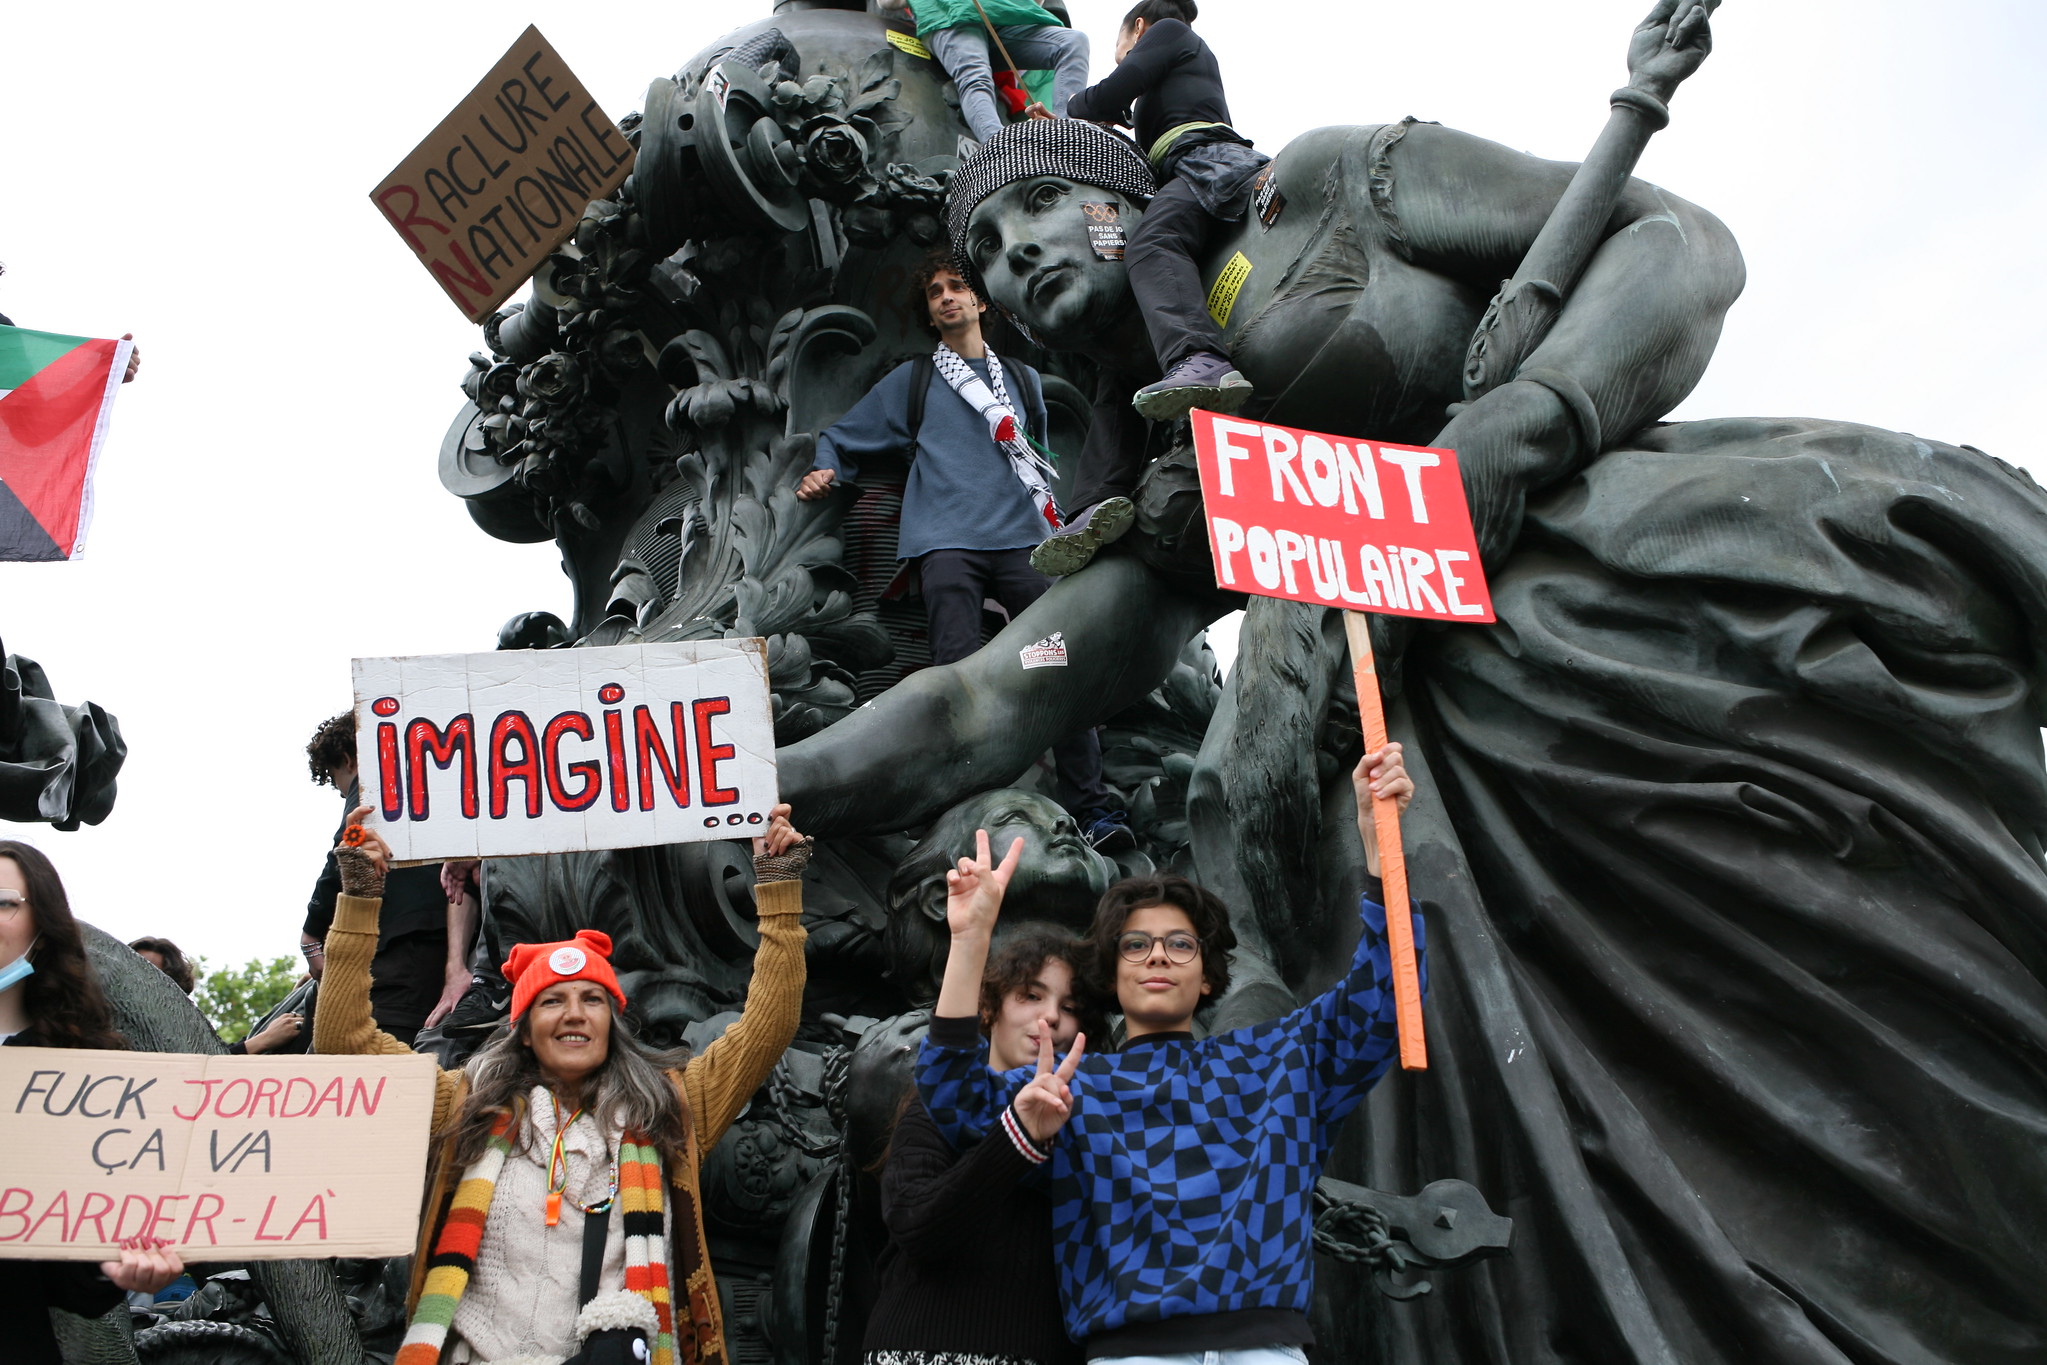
1182	1168
977	501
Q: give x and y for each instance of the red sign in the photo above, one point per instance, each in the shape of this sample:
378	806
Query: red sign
1338	522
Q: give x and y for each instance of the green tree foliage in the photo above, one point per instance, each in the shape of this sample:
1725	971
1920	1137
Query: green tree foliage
235	998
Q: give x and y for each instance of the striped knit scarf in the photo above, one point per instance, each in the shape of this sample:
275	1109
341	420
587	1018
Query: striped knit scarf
454	1258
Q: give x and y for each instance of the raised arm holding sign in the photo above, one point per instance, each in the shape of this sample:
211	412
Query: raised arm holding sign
1365	526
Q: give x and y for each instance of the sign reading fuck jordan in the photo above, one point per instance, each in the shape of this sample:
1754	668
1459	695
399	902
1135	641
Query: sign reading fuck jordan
560	750
1338	522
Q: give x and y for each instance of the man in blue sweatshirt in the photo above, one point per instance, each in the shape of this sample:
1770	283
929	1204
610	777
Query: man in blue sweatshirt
1183	1169
977	500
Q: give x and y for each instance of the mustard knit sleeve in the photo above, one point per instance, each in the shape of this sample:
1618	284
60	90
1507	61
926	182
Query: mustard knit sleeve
720	1080
342	1022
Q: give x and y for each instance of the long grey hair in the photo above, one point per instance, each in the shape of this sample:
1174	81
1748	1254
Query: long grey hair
630	1090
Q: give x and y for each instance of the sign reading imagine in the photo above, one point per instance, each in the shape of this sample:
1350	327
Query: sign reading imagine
505	178
558	750
226	1158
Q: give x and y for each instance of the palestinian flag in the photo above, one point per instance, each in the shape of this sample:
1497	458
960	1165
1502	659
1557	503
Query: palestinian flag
56	395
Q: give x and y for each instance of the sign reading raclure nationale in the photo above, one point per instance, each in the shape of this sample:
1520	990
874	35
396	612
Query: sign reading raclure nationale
225	1158
505	178
1338	522
558	750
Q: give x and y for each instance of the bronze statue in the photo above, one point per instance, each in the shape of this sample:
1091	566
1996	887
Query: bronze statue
1731	827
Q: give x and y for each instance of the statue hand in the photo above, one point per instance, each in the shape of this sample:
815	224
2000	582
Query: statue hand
974	889
1669	45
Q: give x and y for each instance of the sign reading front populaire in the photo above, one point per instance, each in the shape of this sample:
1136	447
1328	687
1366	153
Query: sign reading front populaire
559	750
225	1158
504	179
1338	522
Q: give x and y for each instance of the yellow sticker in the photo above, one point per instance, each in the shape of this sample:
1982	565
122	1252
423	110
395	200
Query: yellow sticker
910	43
1222	295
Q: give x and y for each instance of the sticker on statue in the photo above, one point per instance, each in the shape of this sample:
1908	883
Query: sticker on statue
1049	652
1105	230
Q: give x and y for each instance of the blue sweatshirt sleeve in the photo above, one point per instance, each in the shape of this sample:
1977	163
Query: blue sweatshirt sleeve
876	425
1350	1028
963	1096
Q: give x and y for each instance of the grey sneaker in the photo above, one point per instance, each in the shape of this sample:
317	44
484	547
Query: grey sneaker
1202	380
1068	550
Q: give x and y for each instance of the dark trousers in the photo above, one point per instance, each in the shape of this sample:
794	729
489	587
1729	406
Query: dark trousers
954	583
1166	280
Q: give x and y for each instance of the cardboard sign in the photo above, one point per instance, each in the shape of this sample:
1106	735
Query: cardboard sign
226	1158
505	178
558	750
1338	522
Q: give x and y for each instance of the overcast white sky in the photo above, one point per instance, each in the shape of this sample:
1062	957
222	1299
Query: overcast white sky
268	505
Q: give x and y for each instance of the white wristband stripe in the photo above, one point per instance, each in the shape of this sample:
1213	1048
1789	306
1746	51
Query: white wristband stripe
1030	1150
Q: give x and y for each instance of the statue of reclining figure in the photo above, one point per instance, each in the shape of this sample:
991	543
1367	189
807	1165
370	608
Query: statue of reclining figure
1730	829
1355	314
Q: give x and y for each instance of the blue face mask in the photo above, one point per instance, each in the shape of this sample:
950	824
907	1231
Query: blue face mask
18	970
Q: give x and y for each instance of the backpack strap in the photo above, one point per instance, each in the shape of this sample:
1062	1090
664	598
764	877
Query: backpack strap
922	371
595	1226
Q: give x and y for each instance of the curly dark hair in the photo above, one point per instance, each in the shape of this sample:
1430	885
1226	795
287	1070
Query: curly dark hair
65	1004
175	965
1205	909
936	260
332	745
1019	960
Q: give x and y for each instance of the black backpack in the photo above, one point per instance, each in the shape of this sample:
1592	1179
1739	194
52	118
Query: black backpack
924	369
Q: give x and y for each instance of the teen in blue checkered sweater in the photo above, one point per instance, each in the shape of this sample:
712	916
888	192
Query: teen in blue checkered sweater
1182	1169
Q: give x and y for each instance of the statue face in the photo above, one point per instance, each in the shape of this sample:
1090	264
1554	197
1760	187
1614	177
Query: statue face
1060	876
1030	242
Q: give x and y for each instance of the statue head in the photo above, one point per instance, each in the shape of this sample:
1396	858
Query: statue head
1058	880
1039	217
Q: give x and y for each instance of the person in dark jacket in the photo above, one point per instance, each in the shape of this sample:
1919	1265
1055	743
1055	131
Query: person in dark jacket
1168	88
422	966
49	997
968	1271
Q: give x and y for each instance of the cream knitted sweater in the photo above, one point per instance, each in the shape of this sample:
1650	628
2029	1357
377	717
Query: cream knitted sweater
523	1299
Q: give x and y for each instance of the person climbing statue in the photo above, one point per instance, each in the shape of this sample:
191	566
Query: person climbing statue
958	33
1168	88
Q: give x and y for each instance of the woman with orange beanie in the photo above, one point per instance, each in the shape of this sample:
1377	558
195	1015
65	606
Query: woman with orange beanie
562	1220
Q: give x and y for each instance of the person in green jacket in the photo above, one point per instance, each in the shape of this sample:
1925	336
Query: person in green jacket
1036	38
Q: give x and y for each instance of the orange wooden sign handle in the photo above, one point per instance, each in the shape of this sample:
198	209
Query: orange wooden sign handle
1407	978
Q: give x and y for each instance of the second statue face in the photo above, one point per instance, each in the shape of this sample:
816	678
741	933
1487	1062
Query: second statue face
1050	251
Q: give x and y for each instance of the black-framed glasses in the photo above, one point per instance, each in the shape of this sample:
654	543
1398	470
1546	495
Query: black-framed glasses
1181	948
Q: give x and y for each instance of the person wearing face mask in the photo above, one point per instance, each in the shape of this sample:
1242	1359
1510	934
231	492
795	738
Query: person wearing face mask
563	1220
968	1275
1182	1168
49	997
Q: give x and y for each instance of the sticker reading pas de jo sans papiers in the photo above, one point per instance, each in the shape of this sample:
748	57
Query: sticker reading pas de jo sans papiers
1105	229
1049	652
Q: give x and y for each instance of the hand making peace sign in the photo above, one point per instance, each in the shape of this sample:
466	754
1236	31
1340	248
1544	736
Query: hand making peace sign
974	890
1046	1101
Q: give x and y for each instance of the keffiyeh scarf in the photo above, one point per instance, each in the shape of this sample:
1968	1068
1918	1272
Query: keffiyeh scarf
991	400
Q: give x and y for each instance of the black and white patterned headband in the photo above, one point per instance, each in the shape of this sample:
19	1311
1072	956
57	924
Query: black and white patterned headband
1072	149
